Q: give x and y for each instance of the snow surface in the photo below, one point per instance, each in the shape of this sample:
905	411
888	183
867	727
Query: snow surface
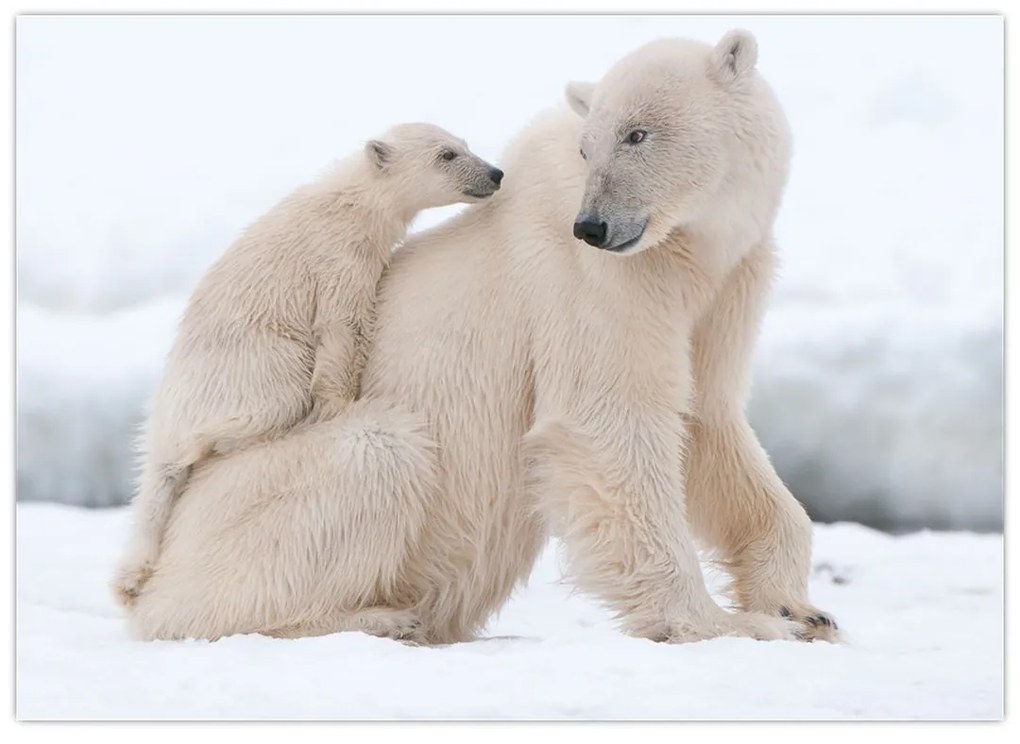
145	144
923	612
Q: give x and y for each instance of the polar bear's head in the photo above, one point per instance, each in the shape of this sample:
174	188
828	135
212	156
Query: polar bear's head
429	167
668	134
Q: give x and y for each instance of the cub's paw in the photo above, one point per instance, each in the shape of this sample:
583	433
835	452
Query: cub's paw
326	409
129	580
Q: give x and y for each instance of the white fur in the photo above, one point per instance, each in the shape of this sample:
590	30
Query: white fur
546	387
276	332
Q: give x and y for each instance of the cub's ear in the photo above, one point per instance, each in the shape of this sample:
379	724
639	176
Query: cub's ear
579	97
379	153
735	55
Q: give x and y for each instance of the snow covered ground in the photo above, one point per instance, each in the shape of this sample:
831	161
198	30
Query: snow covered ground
145	144
923	613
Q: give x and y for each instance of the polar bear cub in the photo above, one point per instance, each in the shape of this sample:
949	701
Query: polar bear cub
275	333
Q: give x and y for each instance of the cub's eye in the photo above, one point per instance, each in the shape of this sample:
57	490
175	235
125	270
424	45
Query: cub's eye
583	156
638	135
448	155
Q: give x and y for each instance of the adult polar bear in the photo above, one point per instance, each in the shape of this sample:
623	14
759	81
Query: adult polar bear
522	382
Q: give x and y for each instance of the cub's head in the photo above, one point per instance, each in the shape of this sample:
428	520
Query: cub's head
667	132
430	167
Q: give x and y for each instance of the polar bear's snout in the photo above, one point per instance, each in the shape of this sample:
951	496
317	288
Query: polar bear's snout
616	236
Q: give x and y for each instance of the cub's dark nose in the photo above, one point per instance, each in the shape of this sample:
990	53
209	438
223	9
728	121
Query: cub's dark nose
592	232
496	175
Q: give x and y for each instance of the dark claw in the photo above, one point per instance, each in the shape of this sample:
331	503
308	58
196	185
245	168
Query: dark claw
823	620
784	611
811	620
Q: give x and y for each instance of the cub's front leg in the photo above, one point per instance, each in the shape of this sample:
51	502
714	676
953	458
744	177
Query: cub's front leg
339	362
615	500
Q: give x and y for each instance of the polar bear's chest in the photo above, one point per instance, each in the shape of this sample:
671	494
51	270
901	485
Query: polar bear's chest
599	343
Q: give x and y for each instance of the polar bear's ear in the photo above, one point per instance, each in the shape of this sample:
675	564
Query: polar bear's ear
379	153
735	55
579	97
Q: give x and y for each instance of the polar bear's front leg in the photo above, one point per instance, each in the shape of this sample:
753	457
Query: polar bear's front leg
627	540
736	501
739	505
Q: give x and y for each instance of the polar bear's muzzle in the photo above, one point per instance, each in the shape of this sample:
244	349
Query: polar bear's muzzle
616	236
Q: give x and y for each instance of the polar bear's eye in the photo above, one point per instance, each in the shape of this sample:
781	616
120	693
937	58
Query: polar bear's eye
448	155
638	135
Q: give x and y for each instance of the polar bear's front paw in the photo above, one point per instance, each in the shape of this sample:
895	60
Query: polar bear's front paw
755	625
129	579
815	624
761	627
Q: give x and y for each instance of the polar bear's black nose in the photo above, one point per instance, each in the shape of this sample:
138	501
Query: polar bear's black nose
496	175
592	232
